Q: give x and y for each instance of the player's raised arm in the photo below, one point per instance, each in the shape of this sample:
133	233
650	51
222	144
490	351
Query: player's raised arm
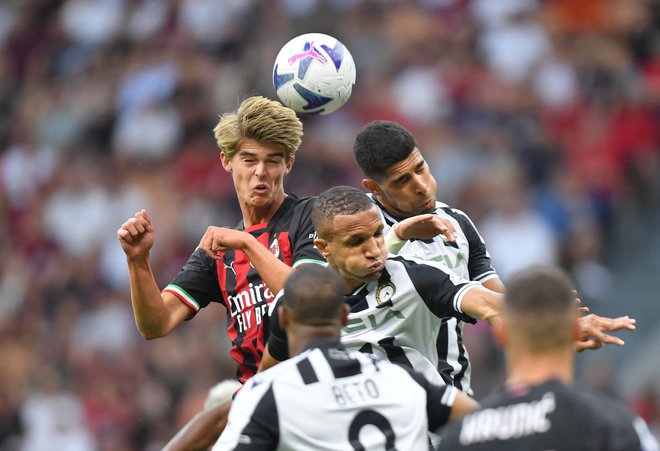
272	270
155	314
425	226
202	431
267	360
481	303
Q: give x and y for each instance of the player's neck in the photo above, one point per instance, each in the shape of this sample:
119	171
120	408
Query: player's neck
534	369
253	215
302	338
394	212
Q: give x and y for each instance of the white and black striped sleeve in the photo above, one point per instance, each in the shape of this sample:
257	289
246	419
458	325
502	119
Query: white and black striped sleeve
439	400
479	263
440	290
253	421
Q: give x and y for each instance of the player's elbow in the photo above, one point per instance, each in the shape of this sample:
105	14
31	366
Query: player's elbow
151	333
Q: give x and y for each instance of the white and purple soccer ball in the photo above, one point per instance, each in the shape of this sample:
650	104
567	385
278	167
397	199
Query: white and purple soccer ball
314	74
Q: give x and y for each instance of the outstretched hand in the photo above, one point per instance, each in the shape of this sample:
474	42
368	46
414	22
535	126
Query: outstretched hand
425	227
136	235
592	328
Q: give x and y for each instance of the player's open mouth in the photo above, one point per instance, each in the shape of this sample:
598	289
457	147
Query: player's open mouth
261	188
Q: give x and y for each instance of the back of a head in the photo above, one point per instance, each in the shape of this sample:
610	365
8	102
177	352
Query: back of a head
263	120
379	145
338	200
540	308
314	295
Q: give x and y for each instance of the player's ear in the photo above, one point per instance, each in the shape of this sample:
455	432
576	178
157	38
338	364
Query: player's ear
345	310
226	162
289	164
372	186
283	317
499	332
322	246
576	330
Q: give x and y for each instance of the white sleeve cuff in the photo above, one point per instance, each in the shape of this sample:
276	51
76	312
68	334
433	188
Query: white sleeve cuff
393	242
458	298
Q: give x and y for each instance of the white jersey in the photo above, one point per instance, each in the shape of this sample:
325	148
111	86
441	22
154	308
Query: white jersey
469	259
328	398
397	317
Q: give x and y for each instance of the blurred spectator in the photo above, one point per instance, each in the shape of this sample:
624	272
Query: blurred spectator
517	236
538	118
54	419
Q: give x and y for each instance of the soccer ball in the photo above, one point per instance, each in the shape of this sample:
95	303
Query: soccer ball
314	74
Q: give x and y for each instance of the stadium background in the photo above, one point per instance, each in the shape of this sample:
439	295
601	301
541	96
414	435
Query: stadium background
538	118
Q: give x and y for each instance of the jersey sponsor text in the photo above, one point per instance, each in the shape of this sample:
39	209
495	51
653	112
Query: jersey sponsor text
257	296
509	422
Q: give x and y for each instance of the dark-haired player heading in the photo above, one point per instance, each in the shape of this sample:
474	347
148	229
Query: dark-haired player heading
539	408
403	187
326	397
239	268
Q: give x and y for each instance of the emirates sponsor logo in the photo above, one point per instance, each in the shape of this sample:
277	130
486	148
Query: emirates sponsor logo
249	307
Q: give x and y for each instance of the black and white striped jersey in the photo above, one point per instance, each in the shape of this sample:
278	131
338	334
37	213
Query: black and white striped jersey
398	316
328	398
549	416
469	259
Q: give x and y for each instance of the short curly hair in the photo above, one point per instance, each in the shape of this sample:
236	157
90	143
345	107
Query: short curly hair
263	120
335	201
379	145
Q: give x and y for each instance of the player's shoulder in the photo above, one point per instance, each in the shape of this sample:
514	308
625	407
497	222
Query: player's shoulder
442	208
300	201
608	409
611	419
294	214
400	264
284	372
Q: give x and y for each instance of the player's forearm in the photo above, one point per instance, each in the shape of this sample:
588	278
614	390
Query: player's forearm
267	360
494	284
483	304
202	431
272	270
150	314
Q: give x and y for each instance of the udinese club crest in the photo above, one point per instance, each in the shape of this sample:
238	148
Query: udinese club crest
385	293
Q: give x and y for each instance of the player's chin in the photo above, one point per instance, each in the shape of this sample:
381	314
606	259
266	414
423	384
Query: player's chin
261	199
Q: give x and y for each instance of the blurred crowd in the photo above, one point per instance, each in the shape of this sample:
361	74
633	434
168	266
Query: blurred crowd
538	118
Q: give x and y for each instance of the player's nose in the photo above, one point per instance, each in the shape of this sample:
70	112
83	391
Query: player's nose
372	248
421	187
260	169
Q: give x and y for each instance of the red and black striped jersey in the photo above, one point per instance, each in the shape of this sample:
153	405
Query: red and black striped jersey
233	281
